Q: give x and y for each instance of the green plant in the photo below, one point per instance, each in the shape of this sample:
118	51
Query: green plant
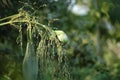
44	55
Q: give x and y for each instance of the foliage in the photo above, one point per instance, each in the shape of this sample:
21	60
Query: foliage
93	49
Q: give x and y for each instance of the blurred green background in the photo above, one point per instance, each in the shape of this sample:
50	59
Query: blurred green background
93	29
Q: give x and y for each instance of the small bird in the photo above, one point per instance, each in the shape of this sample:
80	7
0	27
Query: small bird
61	36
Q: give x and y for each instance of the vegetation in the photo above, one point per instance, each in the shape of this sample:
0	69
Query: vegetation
30	48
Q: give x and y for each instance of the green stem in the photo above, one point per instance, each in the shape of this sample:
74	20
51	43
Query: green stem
16	15
5	23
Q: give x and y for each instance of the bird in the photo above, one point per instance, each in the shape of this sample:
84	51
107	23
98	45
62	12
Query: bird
62	36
